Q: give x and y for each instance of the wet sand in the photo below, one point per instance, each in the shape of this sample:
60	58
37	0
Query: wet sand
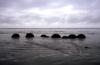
44	51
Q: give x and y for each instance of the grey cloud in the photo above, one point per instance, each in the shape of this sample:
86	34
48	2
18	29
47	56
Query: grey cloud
24	3
44	3
92	6
91	18
7	19
84	4
53	19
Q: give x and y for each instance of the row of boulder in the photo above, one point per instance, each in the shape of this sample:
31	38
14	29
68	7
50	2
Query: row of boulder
28	35
71	36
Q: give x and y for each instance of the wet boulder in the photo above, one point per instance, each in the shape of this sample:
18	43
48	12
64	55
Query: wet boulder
44	36
15	36
72	36
65	37
81	36
55	36
29	35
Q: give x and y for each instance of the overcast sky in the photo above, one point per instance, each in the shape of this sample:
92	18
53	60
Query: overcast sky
49	13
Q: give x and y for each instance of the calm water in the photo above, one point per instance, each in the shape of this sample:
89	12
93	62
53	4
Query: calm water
47	51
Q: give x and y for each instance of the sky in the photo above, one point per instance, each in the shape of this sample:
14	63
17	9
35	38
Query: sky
49	14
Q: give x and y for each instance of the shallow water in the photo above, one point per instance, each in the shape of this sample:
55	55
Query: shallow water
48	51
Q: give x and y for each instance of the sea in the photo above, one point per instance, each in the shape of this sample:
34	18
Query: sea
49	51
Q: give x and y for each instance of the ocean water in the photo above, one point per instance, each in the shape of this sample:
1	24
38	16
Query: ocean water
48	51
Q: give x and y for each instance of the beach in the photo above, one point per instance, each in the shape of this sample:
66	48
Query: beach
48	51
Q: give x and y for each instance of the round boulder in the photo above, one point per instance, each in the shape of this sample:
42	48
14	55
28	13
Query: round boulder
29	35
55	36
15	36
65	37
72	36
81	36
44	36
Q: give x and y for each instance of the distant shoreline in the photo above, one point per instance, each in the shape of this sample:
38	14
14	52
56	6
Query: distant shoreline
49	28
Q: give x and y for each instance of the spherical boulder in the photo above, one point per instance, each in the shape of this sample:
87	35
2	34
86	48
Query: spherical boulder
55	36
44	36
15	36
72	36
81	36
29	35
65	37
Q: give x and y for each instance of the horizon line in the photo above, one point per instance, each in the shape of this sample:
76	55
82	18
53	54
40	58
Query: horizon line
45	28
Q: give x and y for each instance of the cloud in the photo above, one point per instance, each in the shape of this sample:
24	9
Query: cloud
49	13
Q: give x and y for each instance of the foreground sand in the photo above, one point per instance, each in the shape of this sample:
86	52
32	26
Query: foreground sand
47	51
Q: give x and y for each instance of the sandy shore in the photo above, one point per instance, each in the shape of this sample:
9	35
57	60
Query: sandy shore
40	51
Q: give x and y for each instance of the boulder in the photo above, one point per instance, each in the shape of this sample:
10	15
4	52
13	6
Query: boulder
44	36
72	36
65	37
29	35
81	36
55	36
15	36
